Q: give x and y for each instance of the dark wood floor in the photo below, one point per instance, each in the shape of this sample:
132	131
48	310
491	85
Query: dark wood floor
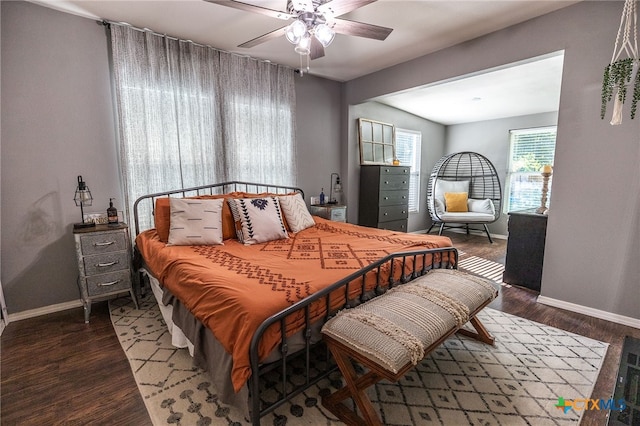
58	370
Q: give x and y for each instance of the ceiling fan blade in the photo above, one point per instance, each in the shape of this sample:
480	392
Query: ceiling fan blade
263	38
343	26
302	5
251	8
316	49
340	7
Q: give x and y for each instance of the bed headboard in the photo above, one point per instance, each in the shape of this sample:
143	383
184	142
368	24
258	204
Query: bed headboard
147	203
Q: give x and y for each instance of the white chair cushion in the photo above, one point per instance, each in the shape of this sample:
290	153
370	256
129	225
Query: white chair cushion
468	217
443	185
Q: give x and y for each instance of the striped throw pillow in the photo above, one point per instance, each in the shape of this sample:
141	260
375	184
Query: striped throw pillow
296	212
195	222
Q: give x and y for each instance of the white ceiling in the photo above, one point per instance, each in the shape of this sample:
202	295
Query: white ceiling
532	87
419	27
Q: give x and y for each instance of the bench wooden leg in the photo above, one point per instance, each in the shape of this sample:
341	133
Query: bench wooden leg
481	333
355	388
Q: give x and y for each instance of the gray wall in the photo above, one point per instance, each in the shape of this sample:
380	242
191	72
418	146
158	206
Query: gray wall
491	139
593	230
58	122
433	140
318	121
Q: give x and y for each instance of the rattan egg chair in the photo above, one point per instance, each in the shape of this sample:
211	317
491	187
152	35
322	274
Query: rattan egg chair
458	173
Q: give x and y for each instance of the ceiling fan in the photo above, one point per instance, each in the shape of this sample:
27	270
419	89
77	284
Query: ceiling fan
314	25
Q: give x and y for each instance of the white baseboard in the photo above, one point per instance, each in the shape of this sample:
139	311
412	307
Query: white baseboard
596	313
462	231
32	313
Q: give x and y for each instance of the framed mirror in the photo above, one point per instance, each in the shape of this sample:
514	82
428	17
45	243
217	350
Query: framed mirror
377	142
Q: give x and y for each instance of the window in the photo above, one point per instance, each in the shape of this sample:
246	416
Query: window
191	115
408	151
531	149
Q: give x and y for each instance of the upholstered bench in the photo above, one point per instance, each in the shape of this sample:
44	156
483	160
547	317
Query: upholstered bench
391	333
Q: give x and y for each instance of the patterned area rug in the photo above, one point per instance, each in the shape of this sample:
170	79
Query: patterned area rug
517	382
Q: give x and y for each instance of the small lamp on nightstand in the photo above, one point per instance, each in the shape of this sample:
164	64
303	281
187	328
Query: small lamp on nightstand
83	198
335	190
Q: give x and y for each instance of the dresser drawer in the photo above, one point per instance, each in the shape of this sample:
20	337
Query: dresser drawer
393	198
391	182
389	213
103	243
108	262
394	225
107	283
387	170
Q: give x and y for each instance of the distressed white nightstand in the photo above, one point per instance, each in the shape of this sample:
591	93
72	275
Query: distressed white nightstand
104	263
335	212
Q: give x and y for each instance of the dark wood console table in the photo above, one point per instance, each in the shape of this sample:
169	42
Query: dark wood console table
525	249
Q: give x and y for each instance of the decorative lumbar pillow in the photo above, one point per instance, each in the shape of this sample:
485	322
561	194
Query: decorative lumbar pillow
296	212
195	222
481	206
260	219
456	202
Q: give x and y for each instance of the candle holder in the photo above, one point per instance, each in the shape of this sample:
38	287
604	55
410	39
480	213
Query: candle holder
545	190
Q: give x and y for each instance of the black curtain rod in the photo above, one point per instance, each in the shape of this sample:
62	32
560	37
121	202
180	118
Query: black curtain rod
107	24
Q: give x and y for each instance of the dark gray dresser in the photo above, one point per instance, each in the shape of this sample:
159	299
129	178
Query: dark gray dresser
384	197
525	249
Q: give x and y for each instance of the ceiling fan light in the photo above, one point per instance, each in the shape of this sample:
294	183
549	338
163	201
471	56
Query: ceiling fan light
324	34
295	31
304	45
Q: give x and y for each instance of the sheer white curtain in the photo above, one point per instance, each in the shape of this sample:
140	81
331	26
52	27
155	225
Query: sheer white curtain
191	115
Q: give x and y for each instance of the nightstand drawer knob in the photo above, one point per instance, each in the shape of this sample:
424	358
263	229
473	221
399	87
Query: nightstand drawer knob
106	243
104	265
108	284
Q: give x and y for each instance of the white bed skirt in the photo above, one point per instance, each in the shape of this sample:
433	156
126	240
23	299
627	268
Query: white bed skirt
178	338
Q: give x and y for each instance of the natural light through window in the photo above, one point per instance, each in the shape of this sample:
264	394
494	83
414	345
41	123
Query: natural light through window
530	150
408	150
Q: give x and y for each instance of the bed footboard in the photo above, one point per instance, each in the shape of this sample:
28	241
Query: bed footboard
426	259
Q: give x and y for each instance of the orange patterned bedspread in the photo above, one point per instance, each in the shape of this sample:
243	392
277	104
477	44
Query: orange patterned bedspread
233	288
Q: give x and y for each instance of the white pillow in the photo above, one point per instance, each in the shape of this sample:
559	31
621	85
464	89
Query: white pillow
481	206
439	205
443	185
260	219
195	222
296	212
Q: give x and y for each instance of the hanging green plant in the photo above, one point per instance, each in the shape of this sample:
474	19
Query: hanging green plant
617	76
623	68
636	94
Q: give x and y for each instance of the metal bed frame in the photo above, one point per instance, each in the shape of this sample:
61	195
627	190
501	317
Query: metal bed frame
258	408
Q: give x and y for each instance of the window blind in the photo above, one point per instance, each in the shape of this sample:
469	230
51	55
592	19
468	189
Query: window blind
530	150
408	144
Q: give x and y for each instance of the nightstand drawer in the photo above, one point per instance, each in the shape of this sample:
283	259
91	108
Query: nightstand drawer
103	243
107	283
108	262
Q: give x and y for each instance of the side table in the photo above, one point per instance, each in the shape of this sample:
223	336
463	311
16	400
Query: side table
104	263
335	212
